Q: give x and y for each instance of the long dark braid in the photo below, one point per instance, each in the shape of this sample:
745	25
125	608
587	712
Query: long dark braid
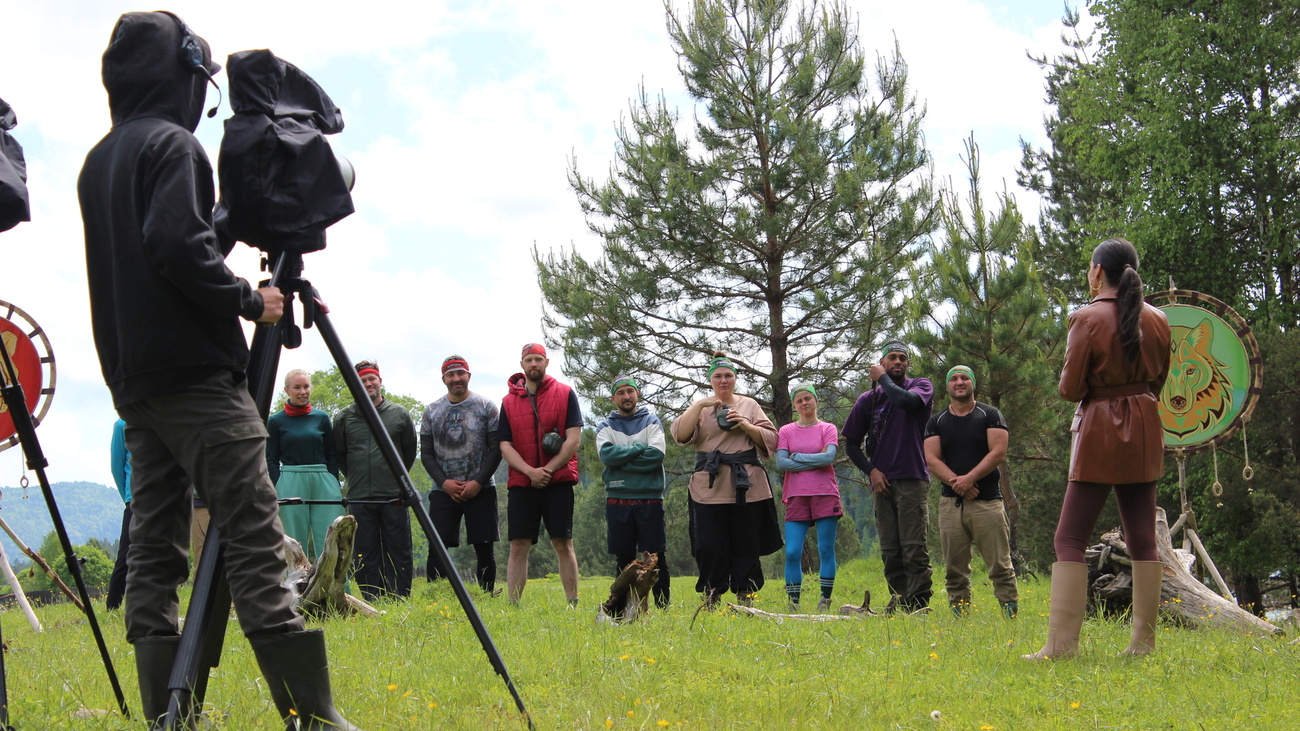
1119	261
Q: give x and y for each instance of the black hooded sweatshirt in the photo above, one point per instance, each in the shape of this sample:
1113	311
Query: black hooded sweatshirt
164	305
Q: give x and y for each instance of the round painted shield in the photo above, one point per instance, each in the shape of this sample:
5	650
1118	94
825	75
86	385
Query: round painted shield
1215	371
33	362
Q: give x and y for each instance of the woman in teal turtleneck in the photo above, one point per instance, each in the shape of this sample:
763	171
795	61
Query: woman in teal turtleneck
301	459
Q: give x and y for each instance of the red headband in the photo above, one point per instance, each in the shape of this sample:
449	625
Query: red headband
533	349
368	369
455	364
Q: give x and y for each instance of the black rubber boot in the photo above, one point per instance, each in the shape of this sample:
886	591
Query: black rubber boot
297	674
154	658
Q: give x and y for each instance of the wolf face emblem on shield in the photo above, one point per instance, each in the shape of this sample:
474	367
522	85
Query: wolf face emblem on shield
1197	395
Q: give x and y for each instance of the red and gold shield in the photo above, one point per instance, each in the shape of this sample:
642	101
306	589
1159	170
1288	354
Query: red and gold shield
29	351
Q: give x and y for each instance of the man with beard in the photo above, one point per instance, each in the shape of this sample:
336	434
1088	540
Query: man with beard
631	444
165	311
383	543
539	432
458	447
891	418
964	444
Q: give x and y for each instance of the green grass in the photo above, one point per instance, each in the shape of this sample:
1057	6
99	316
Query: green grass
420	667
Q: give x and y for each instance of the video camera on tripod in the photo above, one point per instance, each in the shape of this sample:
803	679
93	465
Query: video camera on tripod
281	187
281	183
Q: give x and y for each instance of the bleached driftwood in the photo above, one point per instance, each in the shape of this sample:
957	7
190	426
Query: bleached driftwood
801	617
1183	598
319	589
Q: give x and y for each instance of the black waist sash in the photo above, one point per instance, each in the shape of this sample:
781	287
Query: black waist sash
710	462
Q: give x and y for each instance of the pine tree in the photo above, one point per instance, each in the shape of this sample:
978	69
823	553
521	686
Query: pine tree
782	229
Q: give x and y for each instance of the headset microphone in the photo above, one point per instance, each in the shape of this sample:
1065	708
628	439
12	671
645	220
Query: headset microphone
213	111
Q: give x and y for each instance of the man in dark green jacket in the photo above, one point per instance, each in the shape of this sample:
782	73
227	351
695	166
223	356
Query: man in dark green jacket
383	544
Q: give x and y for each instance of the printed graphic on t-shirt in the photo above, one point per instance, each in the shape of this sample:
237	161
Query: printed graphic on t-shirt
460	434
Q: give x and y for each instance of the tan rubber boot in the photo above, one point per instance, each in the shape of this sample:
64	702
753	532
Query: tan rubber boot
1147	579
1069	602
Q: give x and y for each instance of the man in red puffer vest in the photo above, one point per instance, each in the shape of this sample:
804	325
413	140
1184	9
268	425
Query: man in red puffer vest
540	430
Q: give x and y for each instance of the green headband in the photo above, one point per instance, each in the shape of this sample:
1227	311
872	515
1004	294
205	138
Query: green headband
962	369
721	362
624	381
797	389
894	346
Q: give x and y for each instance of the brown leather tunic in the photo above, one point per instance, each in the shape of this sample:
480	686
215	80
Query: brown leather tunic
1117	436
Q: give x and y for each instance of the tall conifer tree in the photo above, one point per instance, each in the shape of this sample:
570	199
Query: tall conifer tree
781	226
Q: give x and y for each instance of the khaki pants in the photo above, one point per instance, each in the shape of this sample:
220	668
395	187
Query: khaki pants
983	523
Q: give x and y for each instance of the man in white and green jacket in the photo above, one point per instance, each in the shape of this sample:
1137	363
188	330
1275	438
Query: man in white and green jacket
631	444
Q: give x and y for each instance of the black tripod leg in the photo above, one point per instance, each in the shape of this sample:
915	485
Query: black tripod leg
26	428
412	498
201	638
4	690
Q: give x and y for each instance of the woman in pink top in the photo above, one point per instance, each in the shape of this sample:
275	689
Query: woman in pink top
805	452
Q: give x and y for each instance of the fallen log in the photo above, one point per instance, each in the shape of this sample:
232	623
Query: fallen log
1184	600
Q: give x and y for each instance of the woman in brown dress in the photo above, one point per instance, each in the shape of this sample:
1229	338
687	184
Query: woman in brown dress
1116	361
732	512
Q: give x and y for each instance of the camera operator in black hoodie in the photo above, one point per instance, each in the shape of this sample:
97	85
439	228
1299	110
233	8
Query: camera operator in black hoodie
165	309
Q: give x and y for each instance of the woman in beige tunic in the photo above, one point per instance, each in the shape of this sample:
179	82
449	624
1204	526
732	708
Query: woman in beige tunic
732	512
1116	361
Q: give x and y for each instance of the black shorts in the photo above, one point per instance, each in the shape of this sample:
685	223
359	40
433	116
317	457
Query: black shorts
634	528
527	507
479	512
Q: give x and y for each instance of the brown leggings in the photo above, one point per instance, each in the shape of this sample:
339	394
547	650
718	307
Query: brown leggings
1082	506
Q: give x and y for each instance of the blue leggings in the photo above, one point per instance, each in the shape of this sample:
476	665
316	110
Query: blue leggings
795	533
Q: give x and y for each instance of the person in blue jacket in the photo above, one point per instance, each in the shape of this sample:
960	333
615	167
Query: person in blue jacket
120	462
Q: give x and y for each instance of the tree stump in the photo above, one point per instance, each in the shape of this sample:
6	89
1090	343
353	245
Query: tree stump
319	590
1184	600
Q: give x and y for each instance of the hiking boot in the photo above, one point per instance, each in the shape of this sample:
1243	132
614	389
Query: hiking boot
824	605
1010	610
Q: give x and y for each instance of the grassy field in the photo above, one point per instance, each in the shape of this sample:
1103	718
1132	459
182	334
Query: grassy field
420	667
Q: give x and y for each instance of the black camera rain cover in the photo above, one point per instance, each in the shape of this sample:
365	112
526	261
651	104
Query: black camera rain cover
280	182
14	208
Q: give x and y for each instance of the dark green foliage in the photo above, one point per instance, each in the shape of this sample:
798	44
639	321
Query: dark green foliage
1176	126
96	566
779	230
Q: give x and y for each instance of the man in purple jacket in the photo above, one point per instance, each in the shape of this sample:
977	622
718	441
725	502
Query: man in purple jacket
891	417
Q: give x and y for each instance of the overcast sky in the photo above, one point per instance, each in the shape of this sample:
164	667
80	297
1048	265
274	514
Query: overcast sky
461	117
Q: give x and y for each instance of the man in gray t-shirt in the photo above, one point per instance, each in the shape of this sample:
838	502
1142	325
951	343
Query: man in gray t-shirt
458	447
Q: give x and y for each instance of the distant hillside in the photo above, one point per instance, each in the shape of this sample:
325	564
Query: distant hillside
88	510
